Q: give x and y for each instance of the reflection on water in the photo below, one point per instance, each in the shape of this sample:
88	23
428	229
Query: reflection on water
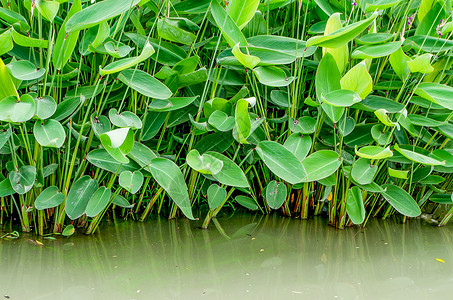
242	257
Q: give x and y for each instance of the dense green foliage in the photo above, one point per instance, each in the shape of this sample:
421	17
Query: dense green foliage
191	106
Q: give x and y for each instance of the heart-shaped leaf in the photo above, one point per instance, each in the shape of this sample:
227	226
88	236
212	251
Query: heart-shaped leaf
17	111
49	133
23	180
216	196
131	181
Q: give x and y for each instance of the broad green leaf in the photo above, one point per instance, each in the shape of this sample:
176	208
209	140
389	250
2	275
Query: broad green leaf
341	36
68	107
68	230
100	158
7	87
401	200
141	154
26	41
363	172
23	180
242	11
321	164
281	161
131	181
341	98
6	42
374	38
374	152
171	179
272	76
98	201
248	61
247	202
340	54
276	193
421	120
145	84
13	17
381	114
354	205
399	62
66	42
358	80
25	70
5	188
372	5
118	143
419	158
97	13
305	125
375	51
228	27
231	174
275	45
124	119
49	133
171	104
402	174
126	63
216	196
205	164
421	64
49	198
122	202
17	111
152	124
172	33
45	106
242	121
327	76
333	112
299	145
100	125
221	121
79	195
48	8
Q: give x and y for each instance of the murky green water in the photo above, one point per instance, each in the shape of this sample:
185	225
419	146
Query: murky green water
242	257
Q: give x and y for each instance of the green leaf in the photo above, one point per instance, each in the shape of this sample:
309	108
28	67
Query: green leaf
170	178
25	70
242	121
152	124
363	172
341	36
118	143
7	87
66	42
131	181
354	205
304	125
281	161
168	31
375	51
242	11
374	152
381	114
221	121
321	164
26	41
6	42
417	157
205	164
122	202
49	133
98	201
341	98
124	119
45	106
276	45
97	13
358	80
102	159
421	64
17	111
248	61
216	196
276	193
145	84
438	93
231	174
68	231
246	202
48	8
398	61
299	145
272	76
126	63
13	17
398	173
340	54
49	198
229	28
23	180
401	200
79	195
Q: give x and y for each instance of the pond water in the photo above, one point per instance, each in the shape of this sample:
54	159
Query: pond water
238	257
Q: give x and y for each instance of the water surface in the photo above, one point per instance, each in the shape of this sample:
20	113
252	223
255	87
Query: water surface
238	257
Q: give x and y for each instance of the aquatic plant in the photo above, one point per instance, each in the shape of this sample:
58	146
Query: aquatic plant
180	106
